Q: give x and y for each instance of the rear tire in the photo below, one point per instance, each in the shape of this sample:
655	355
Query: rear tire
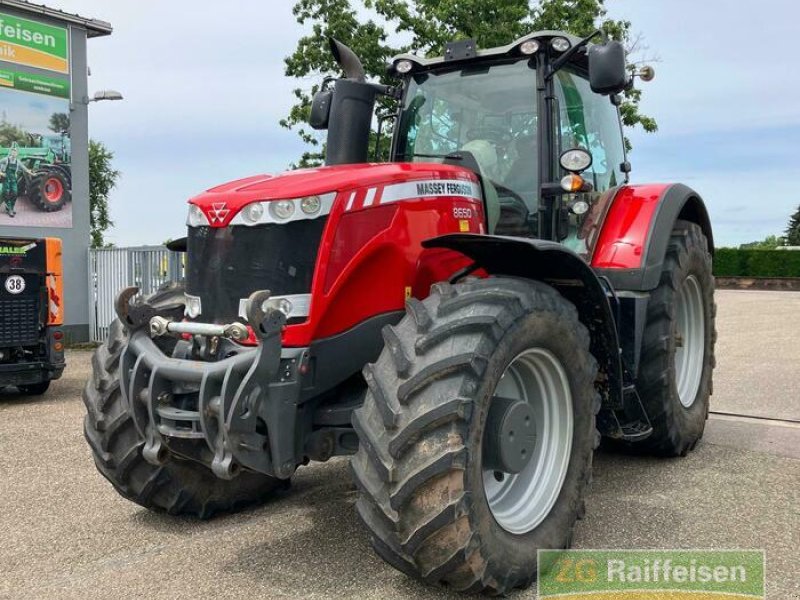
677	362
49	190
35	389
422	432
177	487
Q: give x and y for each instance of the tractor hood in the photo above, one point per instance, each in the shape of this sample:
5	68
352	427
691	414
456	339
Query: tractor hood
221	204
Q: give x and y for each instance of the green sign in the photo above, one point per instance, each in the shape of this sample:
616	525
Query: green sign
651	574
34	44
38	84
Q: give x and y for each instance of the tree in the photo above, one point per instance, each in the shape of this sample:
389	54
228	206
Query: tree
427	25
10	133
59	123
102	179
769	243
793	229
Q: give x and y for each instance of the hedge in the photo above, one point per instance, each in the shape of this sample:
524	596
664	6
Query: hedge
732	262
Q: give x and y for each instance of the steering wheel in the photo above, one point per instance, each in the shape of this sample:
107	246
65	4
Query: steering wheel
497	135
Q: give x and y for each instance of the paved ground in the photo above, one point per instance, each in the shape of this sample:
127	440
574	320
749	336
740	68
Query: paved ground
30	216
64	533
758	353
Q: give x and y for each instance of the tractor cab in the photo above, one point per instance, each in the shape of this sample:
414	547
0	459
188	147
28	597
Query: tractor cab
514	115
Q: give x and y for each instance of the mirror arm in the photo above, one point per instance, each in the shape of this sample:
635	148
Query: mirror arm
562	60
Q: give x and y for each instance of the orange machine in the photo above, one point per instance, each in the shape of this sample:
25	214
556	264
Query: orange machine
31	313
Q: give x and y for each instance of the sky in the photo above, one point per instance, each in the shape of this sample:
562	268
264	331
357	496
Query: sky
204	91
33	110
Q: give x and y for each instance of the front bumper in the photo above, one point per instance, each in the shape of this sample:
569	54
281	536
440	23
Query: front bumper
29	373
235	413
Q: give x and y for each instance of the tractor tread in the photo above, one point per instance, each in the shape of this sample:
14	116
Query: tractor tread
178	487
411	472
676	430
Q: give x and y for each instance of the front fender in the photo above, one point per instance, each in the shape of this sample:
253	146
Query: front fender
564	270
632	243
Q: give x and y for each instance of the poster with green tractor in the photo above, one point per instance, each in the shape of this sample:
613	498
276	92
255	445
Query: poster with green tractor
35	158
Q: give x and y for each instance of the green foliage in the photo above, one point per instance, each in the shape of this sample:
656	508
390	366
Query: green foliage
59	123
102	179
735	262
426	26
793	229
12	133
769	243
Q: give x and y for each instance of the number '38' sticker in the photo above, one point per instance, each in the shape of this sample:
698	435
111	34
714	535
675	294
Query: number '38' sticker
15	284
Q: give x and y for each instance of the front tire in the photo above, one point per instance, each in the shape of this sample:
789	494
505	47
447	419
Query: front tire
677	359
177	487
49	190
424	428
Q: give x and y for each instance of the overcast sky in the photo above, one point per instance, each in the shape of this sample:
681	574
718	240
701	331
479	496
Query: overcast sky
204	90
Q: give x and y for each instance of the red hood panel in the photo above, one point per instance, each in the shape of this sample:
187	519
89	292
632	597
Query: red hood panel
306	182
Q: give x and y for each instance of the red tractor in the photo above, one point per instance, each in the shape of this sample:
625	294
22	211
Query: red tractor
467	320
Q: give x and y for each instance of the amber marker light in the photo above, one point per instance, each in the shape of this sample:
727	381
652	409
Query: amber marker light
572	183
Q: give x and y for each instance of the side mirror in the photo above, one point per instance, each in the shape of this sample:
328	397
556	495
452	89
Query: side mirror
321	109
608	73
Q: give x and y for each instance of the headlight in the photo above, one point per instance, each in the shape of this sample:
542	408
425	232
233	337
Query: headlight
253	212
281	209
576	160
403	66
560	44
196	217
529	47
310	205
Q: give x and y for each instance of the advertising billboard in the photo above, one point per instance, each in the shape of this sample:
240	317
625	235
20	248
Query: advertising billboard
35	145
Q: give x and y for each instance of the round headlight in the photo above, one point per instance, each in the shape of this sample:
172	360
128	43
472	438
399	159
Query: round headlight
579	207
403	66
560	44
281	209
253	212
576	160
196	216
310	205
529	47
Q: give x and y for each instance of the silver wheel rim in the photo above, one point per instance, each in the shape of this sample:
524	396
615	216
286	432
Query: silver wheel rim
689	341
520	502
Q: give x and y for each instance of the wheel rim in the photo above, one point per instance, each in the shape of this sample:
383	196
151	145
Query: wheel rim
53	190
689	340
520	502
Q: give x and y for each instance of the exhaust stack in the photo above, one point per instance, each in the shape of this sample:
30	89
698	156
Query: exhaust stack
351	106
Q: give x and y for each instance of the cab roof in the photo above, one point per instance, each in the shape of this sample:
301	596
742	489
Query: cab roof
423	63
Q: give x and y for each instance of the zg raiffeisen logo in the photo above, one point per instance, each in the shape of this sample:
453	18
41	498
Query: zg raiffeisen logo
651	574
32	43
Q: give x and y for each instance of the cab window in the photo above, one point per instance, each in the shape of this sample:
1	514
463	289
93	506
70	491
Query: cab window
590	121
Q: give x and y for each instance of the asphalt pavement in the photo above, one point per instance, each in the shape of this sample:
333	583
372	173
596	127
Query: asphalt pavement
64	532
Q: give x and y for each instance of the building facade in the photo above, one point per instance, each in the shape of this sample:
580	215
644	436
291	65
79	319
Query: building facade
44	139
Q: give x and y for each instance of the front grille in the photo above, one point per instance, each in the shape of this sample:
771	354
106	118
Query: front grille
19	321
227	264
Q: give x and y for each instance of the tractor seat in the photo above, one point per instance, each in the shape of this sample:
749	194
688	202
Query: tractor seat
514	216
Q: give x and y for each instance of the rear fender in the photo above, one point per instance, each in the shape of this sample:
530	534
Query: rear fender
564	270
632	244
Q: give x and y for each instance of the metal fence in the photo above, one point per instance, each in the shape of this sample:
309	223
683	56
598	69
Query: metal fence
112	269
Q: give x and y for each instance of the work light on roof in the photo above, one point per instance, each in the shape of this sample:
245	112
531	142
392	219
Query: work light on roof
560	44
404	66
529	47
